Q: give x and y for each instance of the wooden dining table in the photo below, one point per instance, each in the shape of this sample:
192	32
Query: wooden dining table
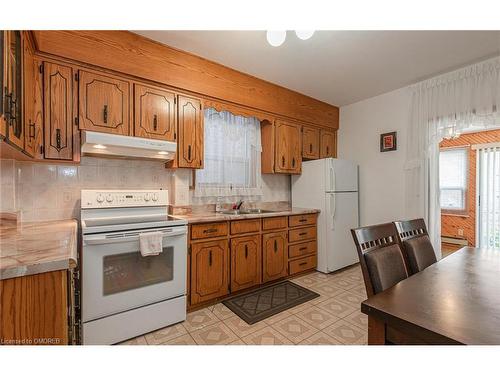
454	301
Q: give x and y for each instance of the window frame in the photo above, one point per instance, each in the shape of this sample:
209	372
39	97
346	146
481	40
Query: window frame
465	210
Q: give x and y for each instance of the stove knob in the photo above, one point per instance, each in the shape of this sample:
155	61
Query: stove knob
100	198
155	197
147	197
109	198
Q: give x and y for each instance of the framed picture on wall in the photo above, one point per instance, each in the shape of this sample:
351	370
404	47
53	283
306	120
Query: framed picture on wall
388	142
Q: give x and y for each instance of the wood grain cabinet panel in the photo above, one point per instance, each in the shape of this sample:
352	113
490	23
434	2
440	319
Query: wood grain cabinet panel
245	226
274	253
58	111
272	223
155	113
33	102
310	143
34	308
302	234
301	220
328	144
190	130
301	249
288	156
3	83
209	270
246	262
302	264
104	103
208	230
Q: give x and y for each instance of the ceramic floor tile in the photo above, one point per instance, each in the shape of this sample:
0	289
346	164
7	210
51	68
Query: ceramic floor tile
302	306
199	319
351	298
344	283
222	312
347	333
237	342
358	319
316	317
141	340
327	289
277	317
320	338
319	299
165	334
337	308
241	328
307	281
181	340
360	290
217	334
295	329
266	336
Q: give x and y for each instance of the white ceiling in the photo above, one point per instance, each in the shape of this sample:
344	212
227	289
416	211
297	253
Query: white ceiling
339	67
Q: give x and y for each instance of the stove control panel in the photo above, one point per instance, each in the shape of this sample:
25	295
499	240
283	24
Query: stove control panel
123	198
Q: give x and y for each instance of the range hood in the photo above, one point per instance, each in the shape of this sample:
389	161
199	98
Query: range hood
121	146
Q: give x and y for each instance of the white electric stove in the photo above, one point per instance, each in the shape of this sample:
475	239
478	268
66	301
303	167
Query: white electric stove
123	293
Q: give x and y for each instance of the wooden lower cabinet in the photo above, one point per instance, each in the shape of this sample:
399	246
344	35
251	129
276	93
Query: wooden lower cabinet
274	256
209	270
36	309
246	262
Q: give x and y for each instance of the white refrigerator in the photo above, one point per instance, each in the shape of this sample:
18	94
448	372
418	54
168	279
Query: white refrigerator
330	185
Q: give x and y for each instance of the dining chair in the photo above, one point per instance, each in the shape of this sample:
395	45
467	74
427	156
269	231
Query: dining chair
380	256
416	244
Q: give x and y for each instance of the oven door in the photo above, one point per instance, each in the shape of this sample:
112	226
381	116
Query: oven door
117	278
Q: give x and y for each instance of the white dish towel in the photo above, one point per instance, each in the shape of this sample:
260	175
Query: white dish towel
150	243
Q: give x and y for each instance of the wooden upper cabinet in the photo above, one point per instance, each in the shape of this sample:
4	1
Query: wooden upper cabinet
155	113
190	129
288	158
58	111
209	270
246	262
33	102
328	142
275	257
310	143
104	103
3	83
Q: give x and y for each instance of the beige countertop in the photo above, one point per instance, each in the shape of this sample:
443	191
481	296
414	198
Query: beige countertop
207	217
38	247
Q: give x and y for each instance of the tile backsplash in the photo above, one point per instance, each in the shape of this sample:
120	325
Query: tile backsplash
42	191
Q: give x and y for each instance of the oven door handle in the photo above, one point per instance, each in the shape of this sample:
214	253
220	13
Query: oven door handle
102	240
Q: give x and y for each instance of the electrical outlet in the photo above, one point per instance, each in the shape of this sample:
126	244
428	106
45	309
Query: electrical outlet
460	232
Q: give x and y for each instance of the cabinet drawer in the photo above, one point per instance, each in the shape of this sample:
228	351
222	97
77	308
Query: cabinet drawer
301	249
299	220
270	223
303	264
302	234
199	231
245	226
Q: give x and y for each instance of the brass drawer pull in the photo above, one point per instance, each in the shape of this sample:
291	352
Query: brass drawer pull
302	233
303	264
32	131
210	230
303	248
302	220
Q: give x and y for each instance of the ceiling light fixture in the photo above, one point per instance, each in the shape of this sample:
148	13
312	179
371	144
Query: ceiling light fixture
304	34
276	38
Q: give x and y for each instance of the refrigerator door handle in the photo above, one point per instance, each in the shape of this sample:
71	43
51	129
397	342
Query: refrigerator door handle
332	178
332	208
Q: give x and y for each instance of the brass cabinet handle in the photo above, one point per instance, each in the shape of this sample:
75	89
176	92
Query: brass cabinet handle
327	150
155	122
189	152
8	104
105	114
32	130
302	264
302	220
293	162
210	258
58	139
302	233
210	230
246	251
283	161
303	248
310	147
275	246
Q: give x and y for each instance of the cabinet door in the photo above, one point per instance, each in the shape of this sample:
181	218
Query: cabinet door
58	111
310	143
190	142
275	257
288	148
209	270
154	113
328	144
14	93
104	103
246	262
3	84
33	106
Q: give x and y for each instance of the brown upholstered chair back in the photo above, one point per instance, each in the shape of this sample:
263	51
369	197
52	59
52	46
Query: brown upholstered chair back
380	256
416	244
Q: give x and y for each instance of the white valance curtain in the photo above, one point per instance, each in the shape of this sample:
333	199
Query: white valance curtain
445	107
232	156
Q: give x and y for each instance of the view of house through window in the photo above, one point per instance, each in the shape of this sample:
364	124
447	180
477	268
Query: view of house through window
453	171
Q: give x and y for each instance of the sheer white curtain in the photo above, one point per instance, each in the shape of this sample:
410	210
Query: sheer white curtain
489	191
444	107
232	156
